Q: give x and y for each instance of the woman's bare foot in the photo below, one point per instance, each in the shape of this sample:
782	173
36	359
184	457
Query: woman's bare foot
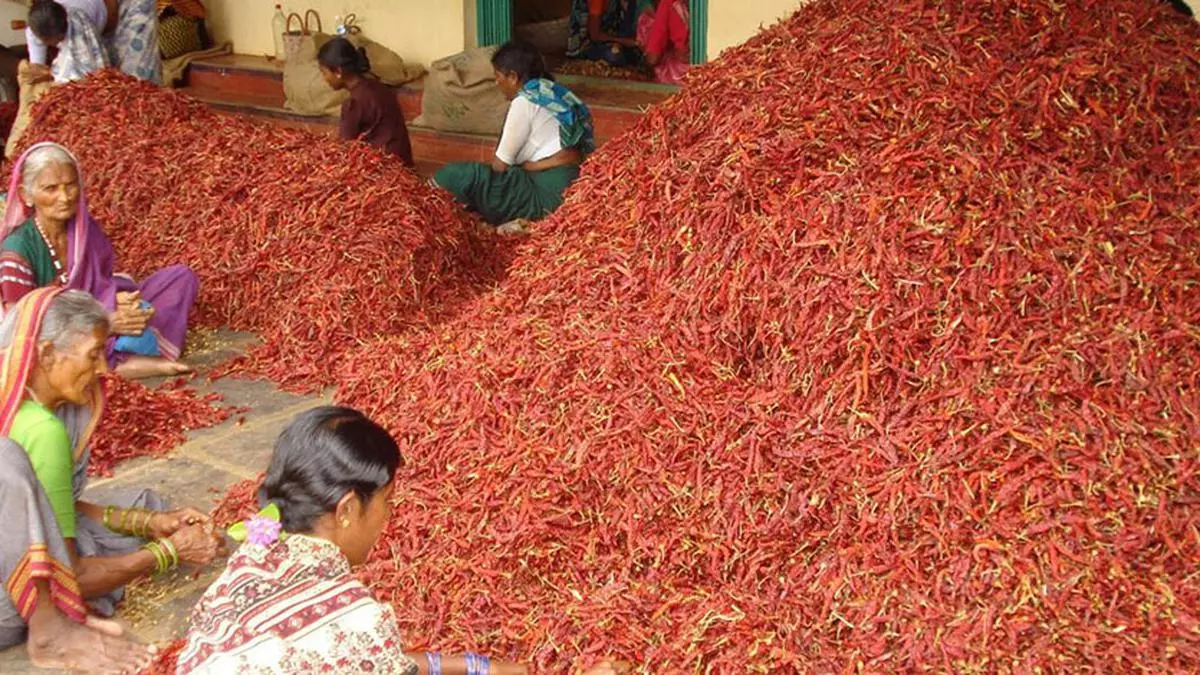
141	367
106	626
57	642
517	226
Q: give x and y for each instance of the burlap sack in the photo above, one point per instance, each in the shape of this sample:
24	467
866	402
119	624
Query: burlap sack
306	91
30	93
387	64
461	95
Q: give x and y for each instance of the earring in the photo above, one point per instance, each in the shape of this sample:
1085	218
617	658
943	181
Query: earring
345	522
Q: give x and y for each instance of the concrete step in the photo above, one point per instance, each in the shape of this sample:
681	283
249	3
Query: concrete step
253	85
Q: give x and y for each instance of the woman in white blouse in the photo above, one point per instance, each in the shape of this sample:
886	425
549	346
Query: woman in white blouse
547	135
91	35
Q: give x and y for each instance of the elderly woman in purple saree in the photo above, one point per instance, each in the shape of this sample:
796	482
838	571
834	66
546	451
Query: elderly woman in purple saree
49	238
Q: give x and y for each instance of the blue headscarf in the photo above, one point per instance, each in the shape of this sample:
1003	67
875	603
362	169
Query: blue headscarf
574	118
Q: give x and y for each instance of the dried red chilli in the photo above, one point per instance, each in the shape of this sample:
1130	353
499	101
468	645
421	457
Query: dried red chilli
166	661
314	244
873	349
8	115
139	421
239	502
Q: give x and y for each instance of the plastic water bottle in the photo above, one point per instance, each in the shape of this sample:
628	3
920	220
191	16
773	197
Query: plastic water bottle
339	26
279	27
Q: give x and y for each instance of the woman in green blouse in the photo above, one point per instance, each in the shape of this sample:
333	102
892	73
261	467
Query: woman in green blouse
50	401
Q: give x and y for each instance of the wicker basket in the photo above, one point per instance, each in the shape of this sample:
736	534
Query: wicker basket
548	37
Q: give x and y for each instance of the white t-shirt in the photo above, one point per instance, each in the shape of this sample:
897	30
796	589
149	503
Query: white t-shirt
530	133
94	9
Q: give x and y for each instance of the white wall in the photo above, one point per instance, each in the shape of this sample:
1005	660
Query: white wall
11	10
418	30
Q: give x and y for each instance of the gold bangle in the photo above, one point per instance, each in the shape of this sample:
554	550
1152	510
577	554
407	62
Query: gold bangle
121	528
144	530
108	514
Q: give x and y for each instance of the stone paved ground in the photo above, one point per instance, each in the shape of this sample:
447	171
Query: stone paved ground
195	474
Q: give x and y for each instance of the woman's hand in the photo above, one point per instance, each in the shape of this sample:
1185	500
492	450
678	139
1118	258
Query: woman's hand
130	298
196	544
129	319
168	523
35	73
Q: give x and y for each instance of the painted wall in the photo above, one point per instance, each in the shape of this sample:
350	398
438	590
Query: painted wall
12	11
417	30
424	30
732	22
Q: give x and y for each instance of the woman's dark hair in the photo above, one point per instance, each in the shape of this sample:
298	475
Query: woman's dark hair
48	20
341	54
527	62
323	454
1181	7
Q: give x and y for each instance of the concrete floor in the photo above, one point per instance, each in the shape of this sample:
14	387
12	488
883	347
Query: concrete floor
196	474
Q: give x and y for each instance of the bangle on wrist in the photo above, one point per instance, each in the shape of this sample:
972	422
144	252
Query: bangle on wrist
108	514
160	557
477	664
166	556
172	552
434	659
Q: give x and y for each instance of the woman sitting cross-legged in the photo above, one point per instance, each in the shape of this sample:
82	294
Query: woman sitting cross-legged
50	402
547	135
50	239
43	605
288	602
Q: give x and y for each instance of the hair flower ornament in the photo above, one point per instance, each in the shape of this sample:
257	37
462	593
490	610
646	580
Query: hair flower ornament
263	529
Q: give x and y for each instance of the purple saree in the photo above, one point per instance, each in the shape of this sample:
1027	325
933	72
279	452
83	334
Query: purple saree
90	267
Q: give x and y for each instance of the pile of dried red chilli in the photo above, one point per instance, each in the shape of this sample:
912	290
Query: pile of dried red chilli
140	421
8	115
312	243
874	349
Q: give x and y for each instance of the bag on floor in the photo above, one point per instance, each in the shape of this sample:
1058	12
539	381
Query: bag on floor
306	91
178	35
461	95
386	65
30	93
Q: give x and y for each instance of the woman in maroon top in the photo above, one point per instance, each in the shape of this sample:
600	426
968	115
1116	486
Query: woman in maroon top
371	114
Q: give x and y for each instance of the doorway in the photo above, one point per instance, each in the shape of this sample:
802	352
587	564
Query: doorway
546	25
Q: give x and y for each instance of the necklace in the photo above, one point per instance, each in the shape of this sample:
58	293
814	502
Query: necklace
58	267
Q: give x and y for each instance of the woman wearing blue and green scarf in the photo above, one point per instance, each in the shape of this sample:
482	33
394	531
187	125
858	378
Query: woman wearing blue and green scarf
547	135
